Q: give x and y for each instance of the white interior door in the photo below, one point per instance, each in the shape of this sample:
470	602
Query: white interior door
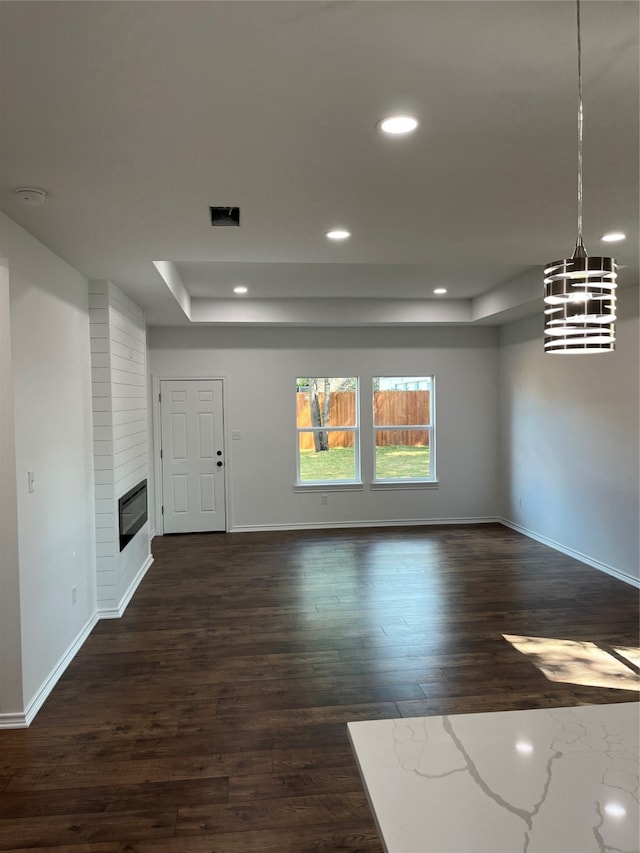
193	489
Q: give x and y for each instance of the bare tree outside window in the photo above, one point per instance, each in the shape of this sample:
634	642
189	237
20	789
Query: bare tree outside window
326	417
320	417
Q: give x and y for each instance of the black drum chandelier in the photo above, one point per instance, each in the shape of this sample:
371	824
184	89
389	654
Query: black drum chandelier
579	292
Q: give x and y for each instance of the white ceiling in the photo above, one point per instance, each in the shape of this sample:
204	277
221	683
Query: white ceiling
136	116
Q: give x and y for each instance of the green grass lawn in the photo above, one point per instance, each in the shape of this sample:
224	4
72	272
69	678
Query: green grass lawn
393	462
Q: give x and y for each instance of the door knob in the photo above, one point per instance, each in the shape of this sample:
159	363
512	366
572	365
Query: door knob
219	464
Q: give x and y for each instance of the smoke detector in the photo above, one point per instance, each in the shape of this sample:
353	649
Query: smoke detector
31	195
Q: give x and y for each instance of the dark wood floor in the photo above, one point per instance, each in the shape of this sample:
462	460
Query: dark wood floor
212	717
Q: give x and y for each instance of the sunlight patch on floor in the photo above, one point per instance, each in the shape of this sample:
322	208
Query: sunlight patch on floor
632	655
579	662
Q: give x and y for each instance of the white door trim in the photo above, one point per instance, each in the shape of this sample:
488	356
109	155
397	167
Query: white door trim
157	443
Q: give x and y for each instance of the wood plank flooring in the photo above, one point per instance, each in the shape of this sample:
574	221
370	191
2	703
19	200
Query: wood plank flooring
212	717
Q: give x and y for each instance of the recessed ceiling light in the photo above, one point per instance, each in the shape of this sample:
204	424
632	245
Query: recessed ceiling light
240	289
440	290
338	234
613	237
397	125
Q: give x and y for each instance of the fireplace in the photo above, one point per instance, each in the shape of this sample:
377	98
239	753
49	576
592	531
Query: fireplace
132	512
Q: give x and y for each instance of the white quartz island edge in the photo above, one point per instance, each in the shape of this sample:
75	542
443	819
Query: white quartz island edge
560	780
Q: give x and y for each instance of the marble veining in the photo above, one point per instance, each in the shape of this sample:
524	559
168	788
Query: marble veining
540	781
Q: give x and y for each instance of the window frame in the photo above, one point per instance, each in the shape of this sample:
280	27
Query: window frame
325	485
430	429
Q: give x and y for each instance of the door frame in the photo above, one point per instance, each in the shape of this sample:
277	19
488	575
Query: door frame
157	443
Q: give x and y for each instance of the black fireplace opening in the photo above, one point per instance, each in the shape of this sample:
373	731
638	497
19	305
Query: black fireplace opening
132	512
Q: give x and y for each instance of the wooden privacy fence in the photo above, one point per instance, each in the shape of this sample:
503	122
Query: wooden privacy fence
390	408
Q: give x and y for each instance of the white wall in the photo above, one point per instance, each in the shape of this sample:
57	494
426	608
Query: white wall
260	366
151	503
52	400
569	442
10	637
120	436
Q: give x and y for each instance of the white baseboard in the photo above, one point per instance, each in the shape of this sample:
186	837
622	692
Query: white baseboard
117	612
23	720
336	525
570	552
13	721
17	720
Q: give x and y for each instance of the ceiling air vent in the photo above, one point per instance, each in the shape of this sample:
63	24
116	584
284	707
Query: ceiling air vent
222	216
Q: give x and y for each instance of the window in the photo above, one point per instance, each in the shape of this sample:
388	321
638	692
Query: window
328	430
403	428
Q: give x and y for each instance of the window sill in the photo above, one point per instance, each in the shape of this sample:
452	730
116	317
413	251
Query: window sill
328	487
404	484
359	487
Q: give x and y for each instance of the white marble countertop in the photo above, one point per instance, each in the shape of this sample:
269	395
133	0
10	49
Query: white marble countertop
562	780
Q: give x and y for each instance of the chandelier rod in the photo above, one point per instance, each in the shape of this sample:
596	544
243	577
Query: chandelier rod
580	251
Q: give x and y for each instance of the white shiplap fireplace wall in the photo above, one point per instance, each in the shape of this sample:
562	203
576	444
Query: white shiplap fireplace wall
120	429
